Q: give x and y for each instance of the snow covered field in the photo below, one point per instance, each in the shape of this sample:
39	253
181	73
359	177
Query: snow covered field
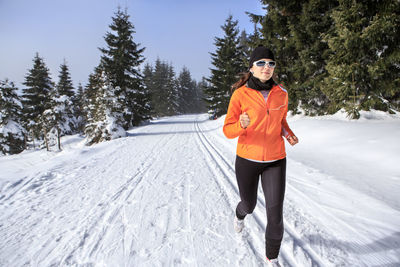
165	196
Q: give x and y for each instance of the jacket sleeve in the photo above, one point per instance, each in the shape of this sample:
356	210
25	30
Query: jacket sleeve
232	128
286	131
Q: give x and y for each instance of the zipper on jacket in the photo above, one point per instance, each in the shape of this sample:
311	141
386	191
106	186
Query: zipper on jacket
267	124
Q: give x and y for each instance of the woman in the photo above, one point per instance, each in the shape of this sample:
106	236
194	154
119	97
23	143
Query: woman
257	115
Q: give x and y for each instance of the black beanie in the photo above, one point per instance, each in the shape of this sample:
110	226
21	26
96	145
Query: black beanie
259	53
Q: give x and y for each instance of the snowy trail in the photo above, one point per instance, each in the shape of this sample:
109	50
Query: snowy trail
328	222
229	172
165	196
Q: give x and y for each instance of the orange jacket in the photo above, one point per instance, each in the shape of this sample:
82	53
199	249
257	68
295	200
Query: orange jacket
262	139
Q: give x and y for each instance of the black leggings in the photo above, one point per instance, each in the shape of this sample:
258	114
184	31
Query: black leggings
273	178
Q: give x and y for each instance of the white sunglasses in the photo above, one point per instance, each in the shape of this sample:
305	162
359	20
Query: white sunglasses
262	63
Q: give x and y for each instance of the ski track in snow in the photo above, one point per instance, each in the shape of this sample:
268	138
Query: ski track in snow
229	172
165	196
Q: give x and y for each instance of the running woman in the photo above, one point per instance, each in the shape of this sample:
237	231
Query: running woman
257	115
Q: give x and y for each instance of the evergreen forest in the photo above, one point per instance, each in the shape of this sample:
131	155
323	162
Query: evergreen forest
331	56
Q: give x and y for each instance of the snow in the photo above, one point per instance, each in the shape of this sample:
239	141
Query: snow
11	127
165	194
112	128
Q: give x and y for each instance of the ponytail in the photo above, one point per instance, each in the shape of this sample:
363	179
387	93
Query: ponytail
243	78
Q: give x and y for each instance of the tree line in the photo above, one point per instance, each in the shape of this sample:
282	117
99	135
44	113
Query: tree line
173	94
117	97
331	55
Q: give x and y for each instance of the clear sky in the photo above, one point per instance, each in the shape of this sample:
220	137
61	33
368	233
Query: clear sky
180	32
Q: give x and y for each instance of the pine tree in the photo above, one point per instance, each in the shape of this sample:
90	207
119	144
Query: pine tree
253	40
12	133
80	103
36	97
149	85
59	120
104	116
159	88
245	45
382	36
63	100
91	94
143	109
121	60
148	76
187	91
200	106
228	62
364	44
173	94
65	86
158	94
310	67
48	122
343	65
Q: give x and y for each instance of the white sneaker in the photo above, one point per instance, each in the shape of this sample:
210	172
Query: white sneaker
238	225
273	263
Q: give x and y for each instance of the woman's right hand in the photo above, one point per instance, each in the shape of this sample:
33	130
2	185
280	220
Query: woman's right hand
244	120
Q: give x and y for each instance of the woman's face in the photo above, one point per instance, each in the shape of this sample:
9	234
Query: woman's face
263	73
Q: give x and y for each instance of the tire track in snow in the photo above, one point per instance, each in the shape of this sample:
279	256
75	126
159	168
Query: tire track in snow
229	172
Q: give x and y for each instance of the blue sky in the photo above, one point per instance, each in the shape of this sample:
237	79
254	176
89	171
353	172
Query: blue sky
177	31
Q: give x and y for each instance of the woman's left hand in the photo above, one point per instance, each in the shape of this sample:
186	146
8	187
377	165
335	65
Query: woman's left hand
293	140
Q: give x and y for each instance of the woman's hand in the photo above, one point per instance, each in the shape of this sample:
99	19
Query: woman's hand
244	120
293	140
